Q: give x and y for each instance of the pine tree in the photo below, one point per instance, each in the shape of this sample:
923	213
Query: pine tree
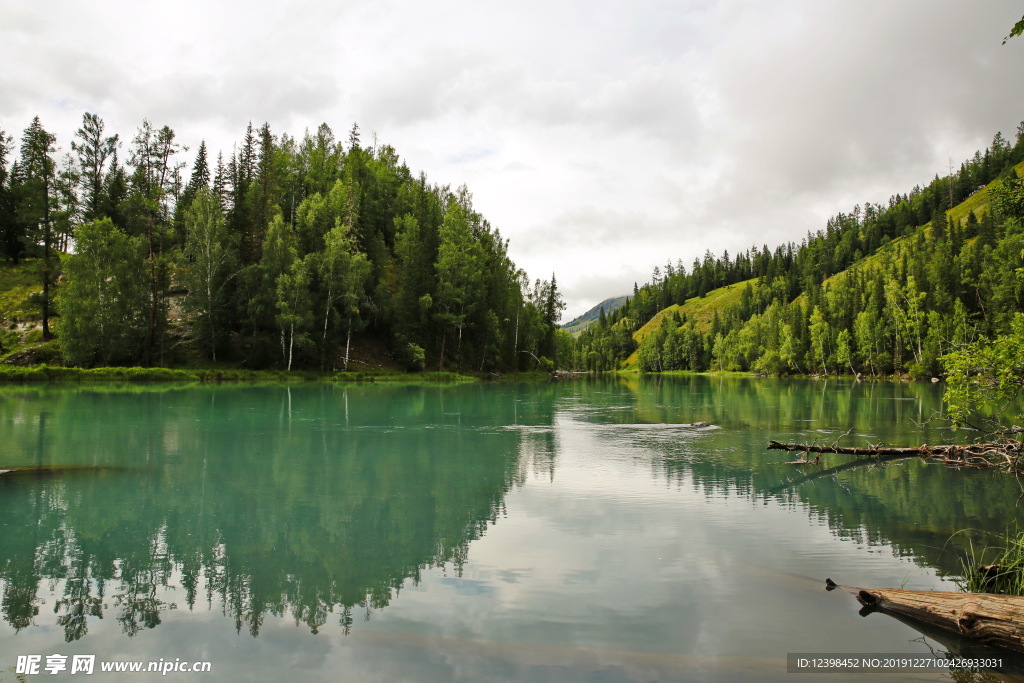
34	209
94	150
552	313
10	240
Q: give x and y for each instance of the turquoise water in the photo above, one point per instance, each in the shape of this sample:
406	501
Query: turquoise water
569	531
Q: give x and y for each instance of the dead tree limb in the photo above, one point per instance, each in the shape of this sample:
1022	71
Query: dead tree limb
1004	454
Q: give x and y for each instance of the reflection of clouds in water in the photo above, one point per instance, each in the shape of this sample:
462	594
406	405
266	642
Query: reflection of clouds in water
468	587
637	440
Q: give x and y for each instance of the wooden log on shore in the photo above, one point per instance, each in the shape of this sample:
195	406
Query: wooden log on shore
996	620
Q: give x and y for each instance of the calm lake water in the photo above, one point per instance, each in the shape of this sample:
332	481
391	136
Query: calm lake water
571	531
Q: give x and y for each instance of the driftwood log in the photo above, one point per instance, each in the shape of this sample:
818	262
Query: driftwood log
1006	454
53	469
995	620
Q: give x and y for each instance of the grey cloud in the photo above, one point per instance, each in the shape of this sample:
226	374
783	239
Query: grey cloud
860	88
589	290
589	225
435	84
255	96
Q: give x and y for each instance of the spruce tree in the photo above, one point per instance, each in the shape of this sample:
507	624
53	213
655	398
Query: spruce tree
94	150
34	208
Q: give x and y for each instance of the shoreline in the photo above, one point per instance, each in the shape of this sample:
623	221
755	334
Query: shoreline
52	374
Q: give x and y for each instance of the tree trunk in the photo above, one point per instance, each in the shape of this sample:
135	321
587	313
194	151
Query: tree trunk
348	341
515	343
46	254
440	361
151	345
209	307
291	345
989	619
327	317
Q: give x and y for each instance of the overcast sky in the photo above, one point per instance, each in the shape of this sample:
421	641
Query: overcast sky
601	138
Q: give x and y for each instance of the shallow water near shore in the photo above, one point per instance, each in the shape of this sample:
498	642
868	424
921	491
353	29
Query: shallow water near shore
578	530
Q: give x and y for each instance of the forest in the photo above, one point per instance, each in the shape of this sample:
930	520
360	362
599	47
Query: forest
291	250
882	289
280	255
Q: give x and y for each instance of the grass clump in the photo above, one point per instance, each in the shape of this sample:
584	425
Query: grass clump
995	569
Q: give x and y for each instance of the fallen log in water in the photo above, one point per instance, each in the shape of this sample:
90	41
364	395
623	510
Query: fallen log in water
1006	454
53	469
996	620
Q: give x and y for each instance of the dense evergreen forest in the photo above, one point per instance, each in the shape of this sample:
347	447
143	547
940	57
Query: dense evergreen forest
277	256
882	289
288	250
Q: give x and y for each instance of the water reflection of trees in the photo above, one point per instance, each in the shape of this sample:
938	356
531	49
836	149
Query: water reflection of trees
318	503
918	508
323	502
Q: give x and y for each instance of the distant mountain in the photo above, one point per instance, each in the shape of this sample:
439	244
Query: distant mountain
581	323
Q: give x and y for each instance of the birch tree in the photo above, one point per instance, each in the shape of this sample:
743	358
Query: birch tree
209	265
344	271
104	305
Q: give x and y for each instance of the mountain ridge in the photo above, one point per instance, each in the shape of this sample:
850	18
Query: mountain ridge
581	322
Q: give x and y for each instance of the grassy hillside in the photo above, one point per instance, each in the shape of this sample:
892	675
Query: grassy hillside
977	202
701	308
17	283
19	310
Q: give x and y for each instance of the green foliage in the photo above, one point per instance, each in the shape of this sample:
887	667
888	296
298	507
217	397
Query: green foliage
1008	198
343	272
415	357
208	266
1017	30
294	314
104	305
458	270
985	373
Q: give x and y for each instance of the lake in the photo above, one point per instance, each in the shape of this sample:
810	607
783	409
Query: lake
571	531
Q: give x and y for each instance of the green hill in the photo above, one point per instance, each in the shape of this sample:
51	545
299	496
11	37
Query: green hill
881	289
701	308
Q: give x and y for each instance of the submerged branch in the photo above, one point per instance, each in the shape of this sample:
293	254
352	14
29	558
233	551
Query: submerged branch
831	471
